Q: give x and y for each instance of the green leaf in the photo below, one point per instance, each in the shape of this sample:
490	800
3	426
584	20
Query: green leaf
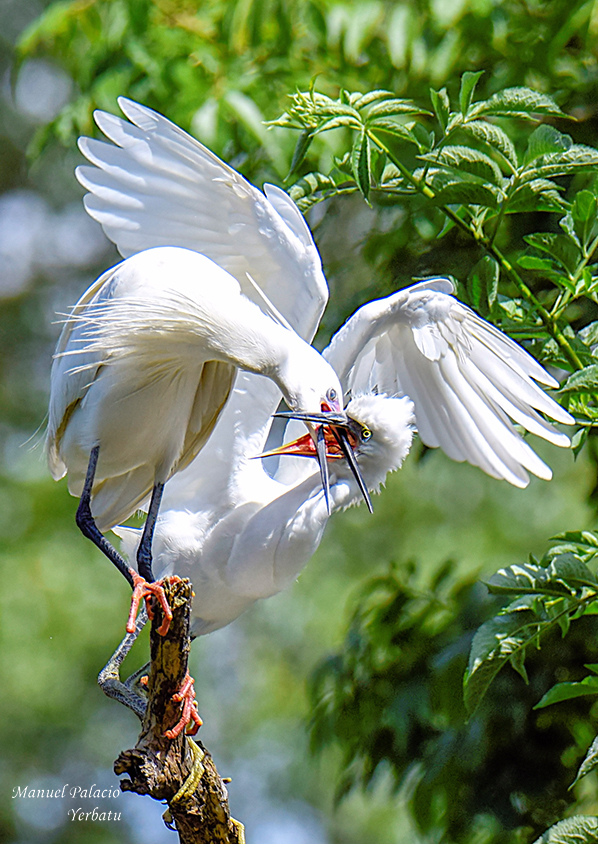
482	284
392	107
346	120
304	192
558	246
517	661
590	762
441	106
399	130
578	158
584	538
544	140
533	262
568	691
303	143
562	576
584	381
580	829
536	195
494	644
469	81
468	160
493	137
517	102
463	191
426	139
584	214
578	440
372	97
360	164
589	334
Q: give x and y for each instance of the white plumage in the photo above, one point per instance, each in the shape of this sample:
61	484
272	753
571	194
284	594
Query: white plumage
144	367
435	365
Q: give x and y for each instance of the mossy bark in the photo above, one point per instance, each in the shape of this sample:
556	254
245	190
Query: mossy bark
179	771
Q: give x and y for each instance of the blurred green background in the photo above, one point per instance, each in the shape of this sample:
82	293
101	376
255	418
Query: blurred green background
219	69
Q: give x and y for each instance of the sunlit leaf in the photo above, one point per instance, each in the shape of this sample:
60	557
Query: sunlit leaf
372	97
580	829
482	284
517	102
568	691
545	140
584	538
466	159
360	163
441	106
536	196
577	158
584	381
399	130
492	136
590	762
346	120
469	81
392	107
563	576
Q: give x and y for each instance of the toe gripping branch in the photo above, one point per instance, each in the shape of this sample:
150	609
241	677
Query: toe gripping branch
165	763
142	590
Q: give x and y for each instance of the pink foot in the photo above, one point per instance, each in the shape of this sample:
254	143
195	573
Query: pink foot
187	694
142	590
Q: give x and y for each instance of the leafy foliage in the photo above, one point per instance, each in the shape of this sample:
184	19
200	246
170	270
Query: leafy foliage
469	167
391	699
483	178
555	592
577	830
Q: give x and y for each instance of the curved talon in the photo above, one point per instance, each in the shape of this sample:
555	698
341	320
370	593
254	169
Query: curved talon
144	590
187	694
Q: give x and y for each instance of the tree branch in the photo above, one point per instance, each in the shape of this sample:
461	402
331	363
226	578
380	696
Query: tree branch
177	770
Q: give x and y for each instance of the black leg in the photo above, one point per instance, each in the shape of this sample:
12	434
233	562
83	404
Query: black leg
87	525
144	552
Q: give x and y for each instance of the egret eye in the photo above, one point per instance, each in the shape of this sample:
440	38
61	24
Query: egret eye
331	394
365	434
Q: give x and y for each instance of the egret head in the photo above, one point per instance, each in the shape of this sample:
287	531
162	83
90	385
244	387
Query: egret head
383	429
308	382
379	431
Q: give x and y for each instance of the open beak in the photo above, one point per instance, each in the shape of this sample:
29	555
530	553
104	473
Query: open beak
332	441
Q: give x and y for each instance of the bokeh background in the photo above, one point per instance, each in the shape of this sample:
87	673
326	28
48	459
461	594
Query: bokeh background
220	69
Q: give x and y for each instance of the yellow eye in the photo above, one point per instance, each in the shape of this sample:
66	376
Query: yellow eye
365	434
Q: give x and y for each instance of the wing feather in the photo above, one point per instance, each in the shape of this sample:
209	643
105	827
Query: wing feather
468	381
153	185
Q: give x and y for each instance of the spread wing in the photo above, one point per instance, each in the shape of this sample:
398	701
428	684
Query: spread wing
155	185
468	381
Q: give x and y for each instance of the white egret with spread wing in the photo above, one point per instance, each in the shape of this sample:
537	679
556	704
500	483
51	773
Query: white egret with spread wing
418	359
144	366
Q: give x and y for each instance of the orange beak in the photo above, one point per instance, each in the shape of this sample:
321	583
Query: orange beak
330	442
305	447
